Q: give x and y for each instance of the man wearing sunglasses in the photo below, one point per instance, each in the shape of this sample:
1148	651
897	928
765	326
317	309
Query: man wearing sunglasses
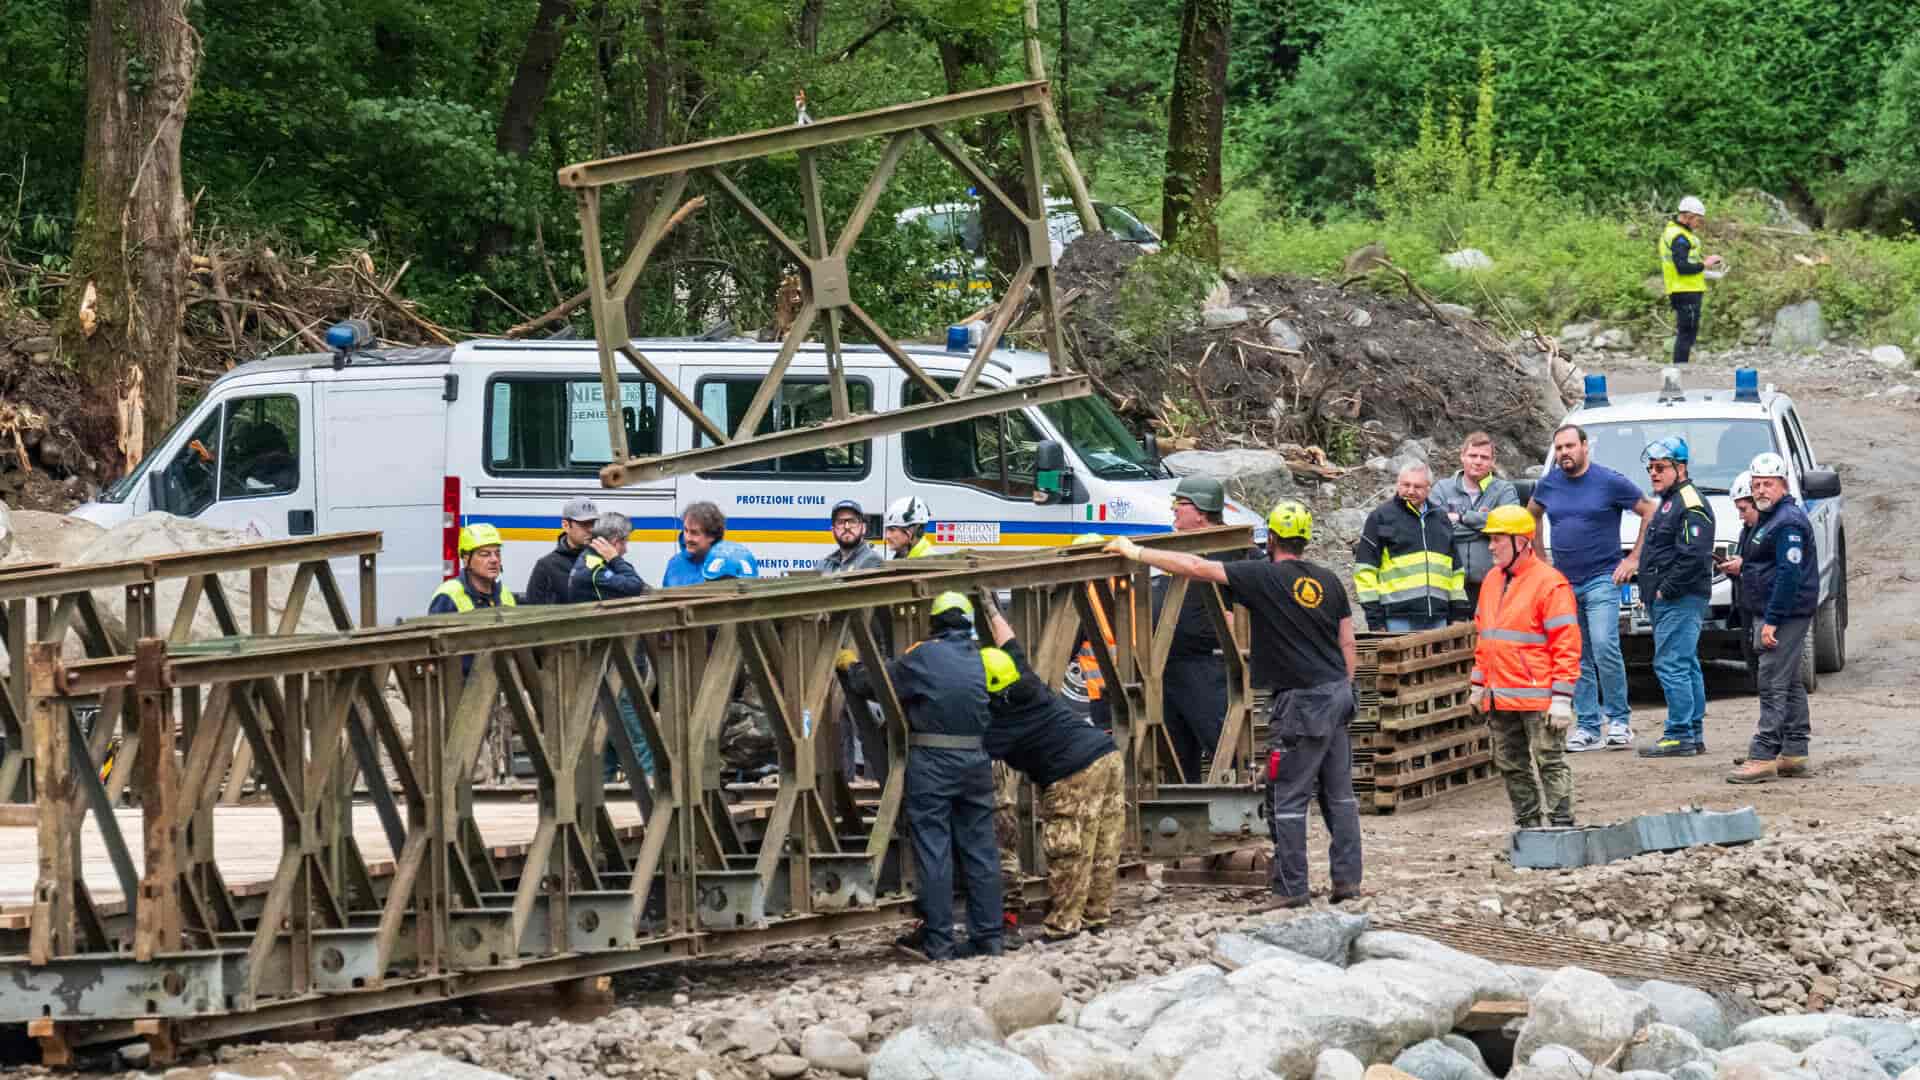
1676	578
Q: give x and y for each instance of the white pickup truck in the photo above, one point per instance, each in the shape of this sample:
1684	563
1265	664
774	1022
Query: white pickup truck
1724	428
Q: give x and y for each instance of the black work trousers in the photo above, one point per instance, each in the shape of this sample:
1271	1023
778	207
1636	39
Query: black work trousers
1316	765
1194	707
1686	323
950	813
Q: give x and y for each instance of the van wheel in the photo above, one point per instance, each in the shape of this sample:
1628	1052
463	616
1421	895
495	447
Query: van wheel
1830	629
1809	669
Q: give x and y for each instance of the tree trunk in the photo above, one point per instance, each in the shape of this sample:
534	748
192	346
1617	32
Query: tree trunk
969	61
1196	123
647	130
120	318
1056	134
526	98
806	29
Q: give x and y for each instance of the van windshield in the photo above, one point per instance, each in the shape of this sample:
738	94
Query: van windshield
119	490
1719	449
1101	440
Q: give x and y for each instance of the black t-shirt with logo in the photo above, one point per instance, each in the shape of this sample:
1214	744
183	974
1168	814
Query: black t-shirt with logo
1296	607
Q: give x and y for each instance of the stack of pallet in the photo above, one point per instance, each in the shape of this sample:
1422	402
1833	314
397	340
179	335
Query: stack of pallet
1414	737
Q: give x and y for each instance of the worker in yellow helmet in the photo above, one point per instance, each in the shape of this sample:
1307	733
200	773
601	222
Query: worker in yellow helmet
1304	650
1034	732
949	803
478	585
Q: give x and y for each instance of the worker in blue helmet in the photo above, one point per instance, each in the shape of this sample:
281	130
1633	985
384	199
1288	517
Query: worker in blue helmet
950	790
727	559
1676	584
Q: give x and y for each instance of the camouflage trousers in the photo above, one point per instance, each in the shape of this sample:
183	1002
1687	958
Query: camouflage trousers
1522	741
1006	830
1085	814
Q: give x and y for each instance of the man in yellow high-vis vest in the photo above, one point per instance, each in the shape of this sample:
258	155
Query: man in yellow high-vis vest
1683	268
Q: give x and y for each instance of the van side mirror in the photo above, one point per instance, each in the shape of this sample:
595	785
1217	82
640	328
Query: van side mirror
1524	486
1151	444
1820	484
1051	477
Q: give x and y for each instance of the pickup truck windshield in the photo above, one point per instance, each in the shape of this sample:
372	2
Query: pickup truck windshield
1719	450
1100	440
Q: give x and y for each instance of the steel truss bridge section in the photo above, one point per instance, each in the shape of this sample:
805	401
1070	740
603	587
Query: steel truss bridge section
311	924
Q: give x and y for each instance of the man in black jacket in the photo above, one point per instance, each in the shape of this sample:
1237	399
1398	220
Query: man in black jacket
1085	809
548	582
1403	564
949	802
1676	583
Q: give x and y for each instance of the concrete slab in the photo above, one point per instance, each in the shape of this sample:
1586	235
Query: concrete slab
1591	845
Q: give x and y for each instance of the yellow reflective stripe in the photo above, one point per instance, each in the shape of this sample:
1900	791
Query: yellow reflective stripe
1366	582
1442	584
1690	497
454	590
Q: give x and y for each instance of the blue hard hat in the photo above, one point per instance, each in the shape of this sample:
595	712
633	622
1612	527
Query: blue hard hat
730	560
1671	448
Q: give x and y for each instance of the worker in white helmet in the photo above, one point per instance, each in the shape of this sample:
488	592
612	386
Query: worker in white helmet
1683	267
905	528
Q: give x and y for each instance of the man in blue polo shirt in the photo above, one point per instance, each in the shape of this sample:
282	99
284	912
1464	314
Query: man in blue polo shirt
1582	502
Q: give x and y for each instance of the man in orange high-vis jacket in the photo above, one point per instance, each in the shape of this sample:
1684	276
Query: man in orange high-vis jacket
1525	663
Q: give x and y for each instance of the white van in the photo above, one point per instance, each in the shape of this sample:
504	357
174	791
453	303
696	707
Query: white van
419	442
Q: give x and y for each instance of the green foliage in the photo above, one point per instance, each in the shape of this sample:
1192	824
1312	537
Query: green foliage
1159	294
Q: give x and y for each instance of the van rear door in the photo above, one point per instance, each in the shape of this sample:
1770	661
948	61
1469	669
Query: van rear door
381	465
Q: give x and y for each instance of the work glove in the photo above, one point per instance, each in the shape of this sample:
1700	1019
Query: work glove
845	659
1477	699
1560	715
1120	545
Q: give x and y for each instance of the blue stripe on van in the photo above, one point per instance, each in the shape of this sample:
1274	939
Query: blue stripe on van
822	525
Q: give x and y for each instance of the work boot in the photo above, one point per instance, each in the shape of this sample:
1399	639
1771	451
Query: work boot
1047	935
1094	928
913	944
1791	766
1343	892
1671	748
1753	772
1281	902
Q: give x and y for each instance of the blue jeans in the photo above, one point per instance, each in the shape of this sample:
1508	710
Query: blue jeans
1603	671
1676	660
1405	624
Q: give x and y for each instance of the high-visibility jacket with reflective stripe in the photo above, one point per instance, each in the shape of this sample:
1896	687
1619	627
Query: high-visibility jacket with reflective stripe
921	548
455	589
1091	677
1670	275
1528	652
1404	565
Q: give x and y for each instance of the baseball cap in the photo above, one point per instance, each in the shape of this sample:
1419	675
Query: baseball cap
580	508
846	504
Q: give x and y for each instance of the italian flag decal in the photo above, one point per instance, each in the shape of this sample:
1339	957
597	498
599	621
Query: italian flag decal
1096	511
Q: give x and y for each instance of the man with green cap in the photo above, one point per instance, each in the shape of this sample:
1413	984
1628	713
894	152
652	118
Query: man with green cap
949	802
1194	690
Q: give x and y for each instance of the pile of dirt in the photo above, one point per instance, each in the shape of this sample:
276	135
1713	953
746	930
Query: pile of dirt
1265	361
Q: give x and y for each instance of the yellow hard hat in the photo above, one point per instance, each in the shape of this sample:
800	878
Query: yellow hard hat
952	601
1291	520
1001	671
474	537
1509	521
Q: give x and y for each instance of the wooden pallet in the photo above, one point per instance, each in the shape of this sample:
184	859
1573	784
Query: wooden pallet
1452	719
1437	755
1405	686
1400	653
1422	794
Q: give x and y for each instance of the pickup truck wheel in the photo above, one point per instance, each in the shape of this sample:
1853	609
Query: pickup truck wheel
1830	629
1809	669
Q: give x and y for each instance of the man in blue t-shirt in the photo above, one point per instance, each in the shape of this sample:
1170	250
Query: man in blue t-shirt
1583	502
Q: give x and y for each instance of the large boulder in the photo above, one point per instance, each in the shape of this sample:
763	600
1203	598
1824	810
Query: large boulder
1581	1010
1323	935
1892	357
1258	478
1895	1045
1795	1031
1336	1064
1692	1010
1068	1053
426	1066
1436	1060
1124	1013
1448	994
1236	951
1368	1017
1490	981
948	1044
1022	997
1664	1048
1799	327
833	1050
1840	1058
1223	1064
1233	1028
1760	1055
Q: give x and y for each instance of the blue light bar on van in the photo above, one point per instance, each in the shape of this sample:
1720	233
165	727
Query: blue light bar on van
1746	384
349	334
957	339
1597	392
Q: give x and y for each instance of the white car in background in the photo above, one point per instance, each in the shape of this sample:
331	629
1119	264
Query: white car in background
958	224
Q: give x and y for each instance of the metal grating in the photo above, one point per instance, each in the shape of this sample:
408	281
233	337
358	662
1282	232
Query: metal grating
1509	945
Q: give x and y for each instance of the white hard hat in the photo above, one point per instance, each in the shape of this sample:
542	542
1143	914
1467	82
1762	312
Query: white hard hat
1692	205
906	512
1742	486
1768	464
